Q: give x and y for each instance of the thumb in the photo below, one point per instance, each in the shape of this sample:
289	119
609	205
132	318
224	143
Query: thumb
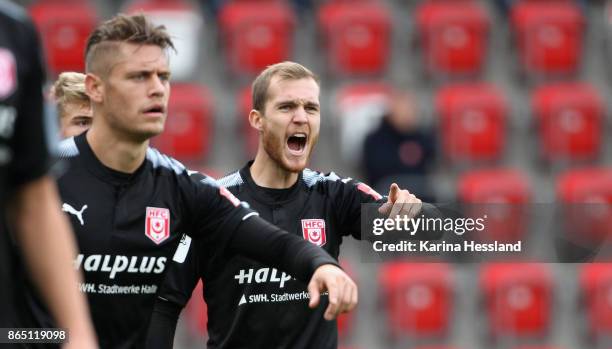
391	198
314	292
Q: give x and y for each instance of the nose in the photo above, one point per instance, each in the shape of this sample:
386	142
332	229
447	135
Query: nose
300	116
157	86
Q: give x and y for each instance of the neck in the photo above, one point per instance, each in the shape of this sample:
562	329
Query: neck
114	152
268	173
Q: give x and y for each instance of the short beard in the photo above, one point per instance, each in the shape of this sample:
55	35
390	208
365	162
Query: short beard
274	148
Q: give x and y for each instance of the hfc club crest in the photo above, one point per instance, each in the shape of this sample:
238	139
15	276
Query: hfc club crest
157	224
313	230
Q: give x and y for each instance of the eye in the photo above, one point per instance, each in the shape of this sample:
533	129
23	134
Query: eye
164	77
312	109
139	77
82	122
284	107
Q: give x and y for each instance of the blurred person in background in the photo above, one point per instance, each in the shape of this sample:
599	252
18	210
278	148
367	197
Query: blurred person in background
129	205
73	104
320	208
28	195
401	149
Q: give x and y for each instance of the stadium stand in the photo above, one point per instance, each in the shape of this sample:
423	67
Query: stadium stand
359	109
64	28
356	36
549	36
256	34
585	195
188	131
461	58
249	134
596	288
472	121
570	117
500	194
453	37
184	23
518	299
417	297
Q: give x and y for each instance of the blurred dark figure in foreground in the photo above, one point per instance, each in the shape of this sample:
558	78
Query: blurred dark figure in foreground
28	195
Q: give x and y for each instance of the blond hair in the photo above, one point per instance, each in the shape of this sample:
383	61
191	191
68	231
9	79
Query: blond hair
69	88
285	71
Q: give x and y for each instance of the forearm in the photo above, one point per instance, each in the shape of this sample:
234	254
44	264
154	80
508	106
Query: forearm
257	239
46	241
163	324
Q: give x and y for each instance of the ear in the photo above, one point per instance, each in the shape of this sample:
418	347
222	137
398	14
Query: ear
256	120
94	88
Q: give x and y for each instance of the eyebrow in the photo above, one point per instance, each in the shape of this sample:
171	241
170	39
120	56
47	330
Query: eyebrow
147	72
82	116
293	103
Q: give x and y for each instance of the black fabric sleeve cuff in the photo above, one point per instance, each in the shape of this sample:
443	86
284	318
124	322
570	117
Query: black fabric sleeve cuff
257	239
162	326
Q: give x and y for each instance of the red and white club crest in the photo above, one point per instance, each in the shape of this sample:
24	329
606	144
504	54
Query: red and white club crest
313	230
8	73
369	191
157	224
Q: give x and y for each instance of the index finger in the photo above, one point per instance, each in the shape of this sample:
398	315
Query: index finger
334	303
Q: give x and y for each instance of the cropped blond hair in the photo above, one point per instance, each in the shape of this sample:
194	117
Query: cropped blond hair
285	71
69	89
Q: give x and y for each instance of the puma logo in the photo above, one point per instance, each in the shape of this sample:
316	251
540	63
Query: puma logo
71	210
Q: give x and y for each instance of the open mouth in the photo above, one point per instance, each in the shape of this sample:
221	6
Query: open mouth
154	110
297	143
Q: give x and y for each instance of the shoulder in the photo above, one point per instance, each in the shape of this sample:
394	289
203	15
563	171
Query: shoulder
13	13
334	184
231	180
67	148
314	178
162	161
15	20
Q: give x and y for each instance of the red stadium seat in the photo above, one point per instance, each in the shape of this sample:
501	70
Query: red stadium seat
250	135
64	28
196	312
549	36
356	35
587	198
472	121
256	34
188	127
184	24
453	36
570	119
505	194
596	292
518	298
359	109
418	298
